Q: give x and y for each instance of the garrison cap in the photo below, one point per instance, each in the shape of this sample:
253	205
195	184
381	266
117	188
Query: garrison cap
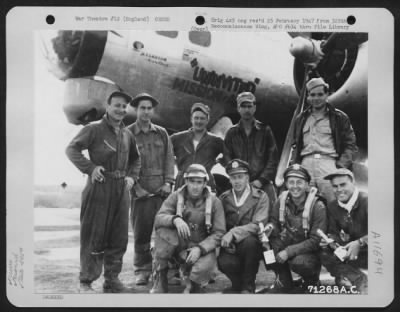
245	97
122	94
297	171
200	107
237	166
196	171
340	172
144	96
316	82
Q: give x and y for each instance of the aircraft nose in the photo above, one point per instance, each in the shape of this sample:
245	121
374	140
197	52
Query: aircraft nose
306	50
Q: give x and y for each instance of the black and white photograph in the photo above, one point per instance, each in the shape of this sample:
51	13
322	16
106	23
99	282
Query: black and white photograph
234	156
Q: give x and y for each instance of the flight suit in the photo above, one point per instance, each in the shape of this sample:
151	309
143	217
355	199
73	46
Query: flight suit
105	206
242	266
301	246
209	147
157	168
168	244
258	149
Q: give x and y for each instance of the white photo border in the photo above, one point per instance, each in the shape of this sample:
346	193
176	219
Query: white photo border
21	22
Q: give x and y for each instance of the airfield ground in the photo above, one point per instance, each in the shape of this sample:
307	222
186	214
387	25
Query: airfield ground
56	259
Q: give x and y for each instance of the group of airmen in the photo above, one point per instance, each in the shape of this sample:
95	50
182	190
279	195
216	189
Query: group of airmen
180	223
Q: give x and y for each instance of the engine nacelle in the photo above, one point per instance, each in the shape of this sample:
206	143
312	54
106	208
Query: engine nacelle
85	99
74	54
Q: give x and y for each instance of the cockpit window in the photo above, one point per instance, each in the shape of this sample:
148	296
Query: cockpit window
170	34
201	38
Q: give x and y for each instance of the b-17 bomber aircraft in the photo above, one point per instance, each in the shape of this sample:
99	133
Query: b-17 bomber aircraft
183	67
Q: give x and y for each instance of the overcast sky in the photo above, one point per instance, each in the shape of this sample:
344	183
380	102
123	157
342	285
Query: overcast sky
52	132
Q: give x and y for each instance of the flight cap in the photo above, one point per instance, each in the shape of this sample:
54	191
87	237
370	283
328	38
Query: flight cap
316	82
340	172
196	171
144	96
200	107
122	94
245	97
296	171
237	166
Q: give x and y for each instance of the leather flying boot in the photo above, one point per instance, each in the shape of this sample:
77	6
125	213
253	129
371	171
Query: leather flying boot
113	285
283	282
142	279
193	288
86	287
160	282
305	287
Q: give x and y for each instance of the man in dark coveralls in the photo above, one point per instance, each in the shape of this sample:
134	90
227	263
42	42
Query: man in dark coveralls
296	217
155	181
348	227
196	145
112	168
253	142
245	207
189	227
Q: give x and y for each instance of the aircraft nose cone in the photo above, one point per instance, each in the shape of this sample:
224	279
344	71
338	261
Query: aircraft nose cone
305	50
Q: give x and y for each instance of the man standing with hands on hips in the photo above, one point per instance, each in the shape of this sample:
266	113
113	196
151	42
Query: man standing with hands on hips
112	168
154	184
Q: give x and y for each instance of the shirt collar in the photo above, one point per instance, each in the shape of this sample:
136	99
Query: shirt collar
256	124
351	203
191	131
244	196
106	120
137	129
328	108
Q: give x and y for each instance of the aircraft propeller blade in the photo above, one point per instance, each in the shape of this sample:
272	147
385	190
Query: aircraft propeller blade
328	44
287	149
116	33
